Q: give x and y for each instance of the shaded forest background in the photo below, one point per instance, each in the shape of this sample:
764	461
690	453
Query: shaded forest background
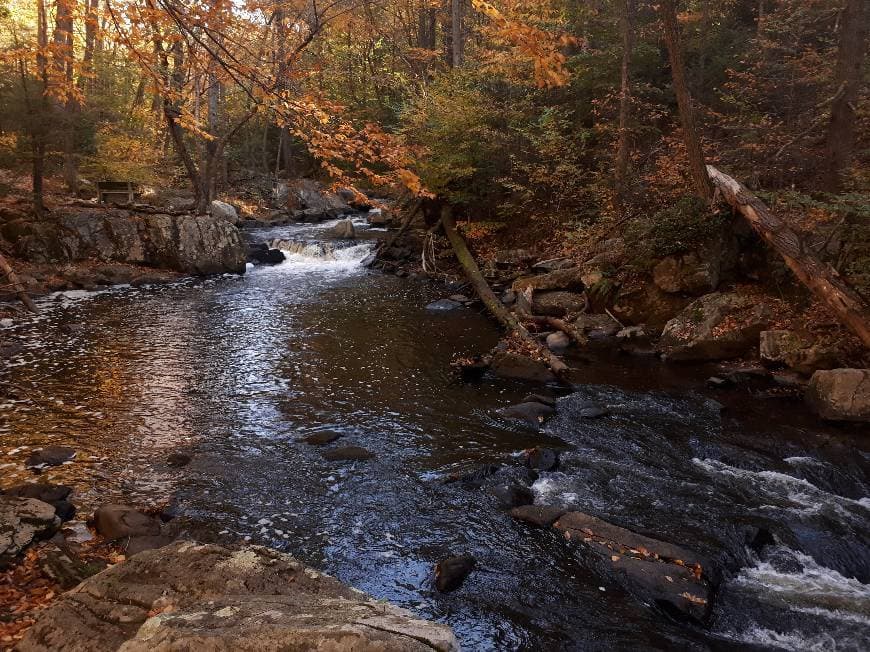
536	120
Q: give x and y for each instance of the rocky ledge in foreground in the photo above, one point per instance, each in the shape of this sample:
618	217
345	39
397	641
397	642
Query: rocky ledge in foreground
205	597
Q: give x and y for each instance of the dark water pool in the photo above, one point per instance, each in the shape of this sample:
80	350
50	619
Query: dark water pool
237	369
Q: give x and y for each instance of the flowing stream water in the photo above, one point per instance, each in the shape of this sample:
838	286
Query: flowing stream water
235	370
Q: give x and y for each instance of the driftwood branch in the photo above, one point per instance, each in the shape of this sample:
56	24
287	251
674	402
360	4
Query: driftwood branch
821	279
14	281
487	296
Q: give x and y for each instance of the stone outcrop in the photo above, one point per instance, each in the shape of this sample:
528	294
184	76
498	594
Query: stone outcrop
192	244
224	211
717	326
188	596
840	394
23	521
788	348
308	201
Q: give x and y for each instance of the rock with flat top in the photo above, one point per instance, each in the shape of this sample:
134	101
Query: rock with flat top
188	596
840	394
23	521
50	456
657	572
537	515
514	365
122	521
533	412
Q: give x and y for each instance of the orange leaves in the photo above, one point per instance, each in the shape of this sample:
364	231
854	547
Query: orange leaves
542	48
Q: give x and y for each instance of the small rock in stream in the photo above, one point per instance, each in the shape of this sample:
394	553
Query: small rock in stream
511	495
122	521
533	413
322	437
450	573
443	305
50	456
542	459
537	515
178	459
592	412
348	453
557	342
539	398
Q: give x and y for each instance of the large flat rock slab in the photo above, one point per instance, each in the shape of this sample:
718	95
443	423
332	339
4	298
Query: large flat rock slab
189	596
22	521
668	575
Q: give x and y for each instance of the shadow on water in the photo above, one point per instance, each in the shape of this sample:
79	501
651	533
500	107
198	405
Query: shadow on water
238	369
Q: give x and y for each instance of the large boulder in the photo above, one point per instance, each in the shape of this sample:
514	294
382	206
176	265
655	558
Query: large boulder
840	394
667	575
317	202
192	244
188	596
717	326
343	230
557	303
224	211
22	521
790	349
121	521
560	279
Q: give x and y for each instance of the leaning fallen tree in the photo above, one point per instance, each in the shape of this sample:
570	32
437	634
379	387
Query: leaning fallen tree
16	285
492	303
821	279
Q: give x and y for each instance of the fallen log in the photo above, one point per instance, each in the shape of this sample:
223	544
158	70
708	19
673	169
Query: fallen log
6	268
412	210
487	296
553	322
821	279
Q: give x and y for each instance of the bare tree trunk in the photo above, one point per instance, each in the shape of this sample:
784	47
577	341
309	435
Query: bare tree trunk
840	141
63	69
623	147
38	131
684	100
821	279
457	35
492	303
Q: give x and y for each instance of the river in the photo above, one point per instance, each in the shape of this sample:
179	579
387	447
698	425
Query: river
236	369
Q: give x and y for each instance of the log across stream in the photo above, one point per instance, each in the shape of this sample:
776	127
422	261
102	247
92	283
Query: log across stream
236	370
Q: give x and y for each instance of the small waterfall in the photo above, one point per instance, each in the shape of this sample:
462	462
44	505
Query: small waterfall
302	255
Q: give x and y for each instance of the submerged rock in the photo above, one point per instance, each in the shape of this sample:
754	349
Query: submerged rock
265	255
178	459
348	453
533	413
50	456
670	576
322	437
840	394
121	521
537	515
188	596
22	521
542	459
443	304
450	573
512	494
514	365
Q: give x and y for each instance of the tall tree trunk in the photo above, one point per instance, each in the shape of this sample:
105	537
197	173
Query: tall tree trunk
38	131
852	49
684	100
623	147
456	32
91	26
63	70
821	279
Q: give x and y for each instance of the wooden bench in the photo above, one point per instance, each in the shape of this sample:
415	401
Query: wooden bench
117	192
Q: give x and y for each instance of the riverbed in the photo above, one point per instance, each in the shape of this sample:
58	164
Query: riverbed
235	370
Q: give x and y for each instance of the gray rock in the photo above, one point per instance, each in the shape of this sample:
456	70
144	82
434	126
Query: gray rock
49	456
557	342
188	596
22	521
54	494
542	459
539	398
561	279
557	303
343	230
443	305
192	244
322	437
533	413
537	515
514	365
450	573
631	333
508	297
460	298
223	211
121	521
657	572
310	196
840	394
687	273
596	323
512	494
717	326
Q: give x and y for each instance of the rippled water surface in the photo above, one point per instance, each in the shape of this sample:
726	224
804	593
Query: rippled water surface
235	370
